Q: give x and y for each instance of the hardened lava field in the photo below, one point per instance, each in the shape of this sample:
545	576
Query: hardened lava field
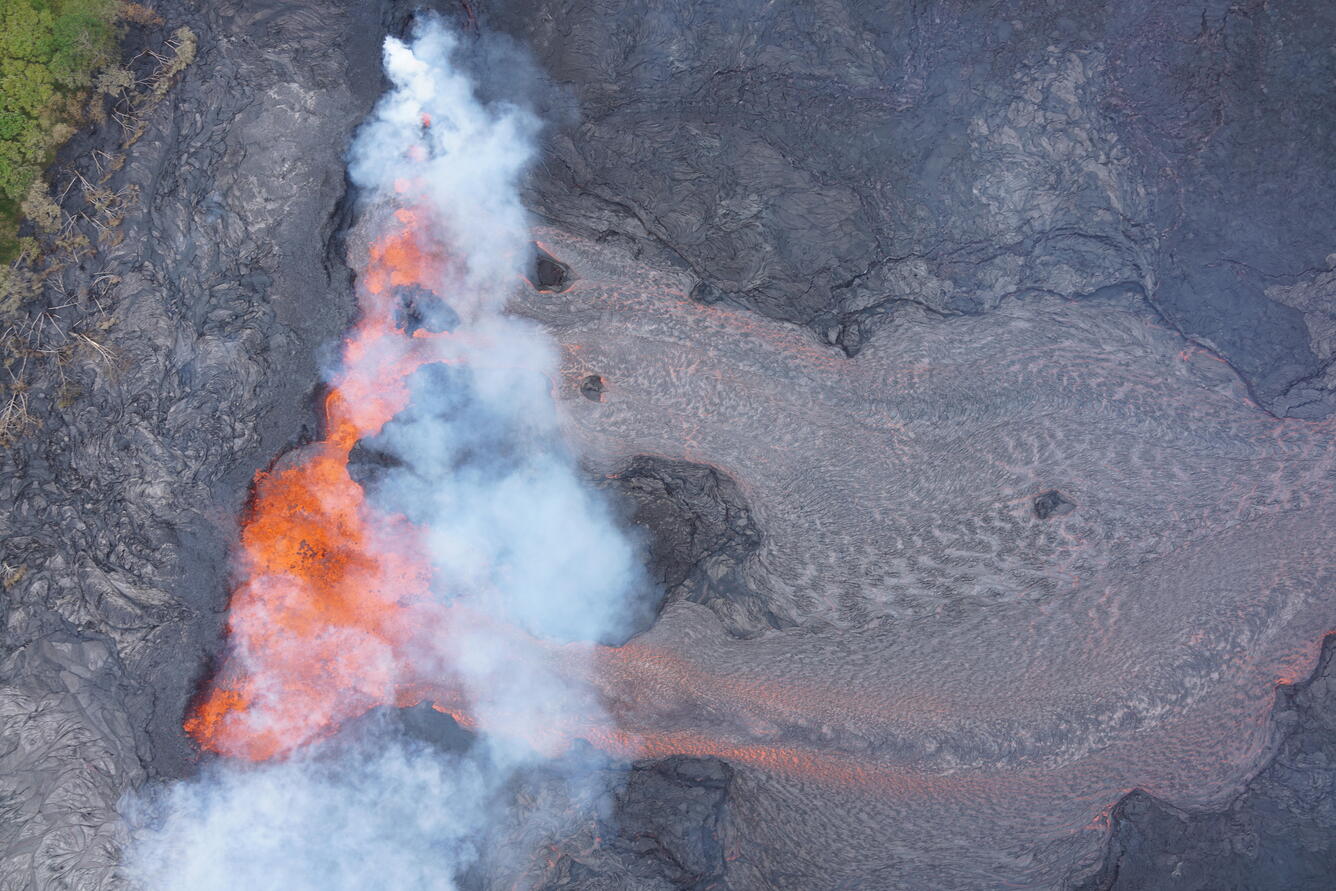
958	688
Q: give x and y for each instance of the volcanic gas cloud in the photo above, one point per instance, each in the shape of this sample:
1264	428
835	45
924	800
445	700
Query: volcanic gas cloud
463	577
344	605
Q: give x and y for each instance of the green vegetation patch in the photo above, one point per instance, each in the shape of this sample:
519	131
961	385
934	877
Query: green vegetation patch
49	51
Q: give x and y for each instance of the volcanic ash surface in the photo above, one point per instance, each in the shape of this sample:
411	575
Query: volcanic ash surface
1010	566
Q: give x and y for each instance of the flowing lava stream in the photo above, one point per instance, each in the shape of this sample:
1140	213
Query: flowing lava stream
336	601
978	729
335	593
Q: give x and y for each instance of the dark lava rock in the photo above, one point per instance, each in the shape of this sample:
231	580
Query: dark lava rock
704	292
369	466
668	819
664	832
1052	504
837	160
549	273
420	723
421	310
1279	834
700	531
592	388
426	724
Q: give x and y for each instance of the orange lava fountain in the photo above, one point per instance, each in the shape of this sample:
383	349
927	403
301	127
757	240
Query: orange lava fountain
318	621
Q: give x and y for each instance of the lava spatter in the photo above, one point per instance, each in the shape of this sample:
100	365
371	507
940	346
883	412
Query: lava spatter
318	621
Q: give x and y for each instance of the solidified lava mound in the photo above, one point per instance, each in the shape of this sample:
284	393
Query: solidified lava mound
1052	504
549	273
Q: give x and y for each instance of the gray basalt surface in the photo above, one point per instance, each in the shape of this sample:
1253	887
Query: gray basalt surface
827	164
1279	832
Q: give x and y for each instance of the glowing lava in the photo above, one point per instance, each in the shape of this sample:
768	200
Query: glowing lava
318	620
335	594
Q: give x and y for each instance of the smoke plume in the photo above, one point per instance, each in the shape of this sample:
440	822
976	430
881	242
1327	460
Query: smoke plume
437	545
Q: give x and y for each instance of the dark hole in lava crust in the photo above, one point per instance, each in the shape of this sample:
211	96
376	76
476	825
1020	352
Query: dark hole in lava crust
548	273
1052	504
592	388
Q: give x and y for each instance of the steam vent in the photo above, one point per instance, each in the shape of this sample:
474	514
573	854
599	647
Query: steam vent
666	445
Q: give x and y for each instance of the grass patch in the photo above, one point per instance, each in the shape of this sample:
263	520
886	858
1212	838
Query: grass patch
57	72
50	51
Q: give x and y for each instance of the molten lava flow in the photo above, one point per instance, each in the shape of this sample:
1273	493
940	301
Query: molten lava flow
318	620
335	594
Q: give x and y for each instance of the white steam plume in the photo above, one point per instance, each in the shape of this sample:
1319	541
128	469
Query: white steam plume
513	533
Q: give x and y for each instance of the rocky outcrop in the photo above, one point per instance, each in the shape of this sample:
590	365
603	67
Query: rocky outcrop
663	832
1279	832
699	532
668	820
829	164
1052	504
